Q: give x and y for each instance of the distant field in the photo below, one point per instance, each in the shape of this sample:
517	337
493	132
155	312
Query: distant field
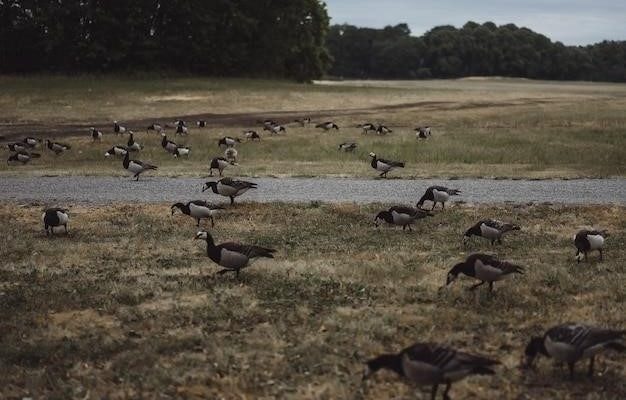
128	306
482	127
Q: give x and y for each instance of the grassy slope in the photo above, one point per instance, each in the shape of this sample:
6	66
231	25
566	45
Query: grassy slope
299	326
482	128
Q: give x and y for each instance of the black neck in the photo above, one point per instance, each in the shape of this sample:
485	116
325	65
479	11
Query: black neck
391	362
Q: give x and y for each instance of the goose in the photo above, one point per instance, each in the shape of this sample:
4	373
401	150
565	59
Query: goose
132	145
219	163
571	342
229	187
437	194
17	146
267	122
54	217
367	127
485	268
179	122
182	151
327	126
135	167
201	123
588	240
118	129
31	142
275	129
383	130
57	147
231	154
181	130
347	146
384	166
96	135
232	256
402	216
432	364
154	127
228	141
198	209
491	229
22	156
168	145
422	132
251	135
116	151
303	121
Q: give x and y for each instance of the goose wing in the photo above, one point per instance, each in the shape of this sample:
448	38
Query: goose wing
391	162
250	251
583	336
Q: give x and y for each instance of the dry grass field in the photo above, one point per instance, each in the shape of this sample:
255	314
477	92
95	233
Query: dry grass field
482	127
128	305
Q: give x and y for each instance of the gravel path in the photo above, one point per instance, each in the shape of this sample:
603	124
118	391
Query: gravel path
100	190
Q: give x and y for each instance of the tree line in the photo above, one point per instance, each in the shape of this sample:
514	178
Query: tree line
276	38
266	38
473	50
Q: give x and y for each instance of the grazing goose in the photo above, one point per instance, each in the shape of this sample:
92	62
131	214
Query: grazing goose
20	146
347	146
135	167
22	156
31	142
231	154
182	151
422	132
154	127
54	217
402	216
229	187
168	145
96	135
232	256
384	166
367	127
275	129
267	122
303	121
219	163
132	145
198	209
201	123
228	141
437	194
491	229
485	268
179	122
118	129
571	342
116	151
181	130
383	130
57	147
327	125
586	241
251	135
432	364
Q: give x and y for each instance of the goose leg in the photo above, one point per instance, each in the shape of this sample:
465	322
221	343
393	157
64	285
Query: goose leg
47	231
212	222
445	392
232	200
434	204
590	371
443	206
65	226
491	286
197	222
433	392
476	285
585	256
577	259
600	250
571	370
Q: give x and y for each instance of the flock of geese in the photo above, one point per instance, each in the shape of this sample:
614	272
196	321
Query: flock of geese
421	363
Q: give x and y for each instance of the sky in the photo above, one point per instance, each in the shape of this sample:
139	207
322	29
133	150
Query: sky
572	22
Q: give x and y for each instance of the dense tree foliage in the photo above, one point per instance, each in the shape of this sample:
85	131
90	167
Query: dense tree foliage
275	38
481	50
217	37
